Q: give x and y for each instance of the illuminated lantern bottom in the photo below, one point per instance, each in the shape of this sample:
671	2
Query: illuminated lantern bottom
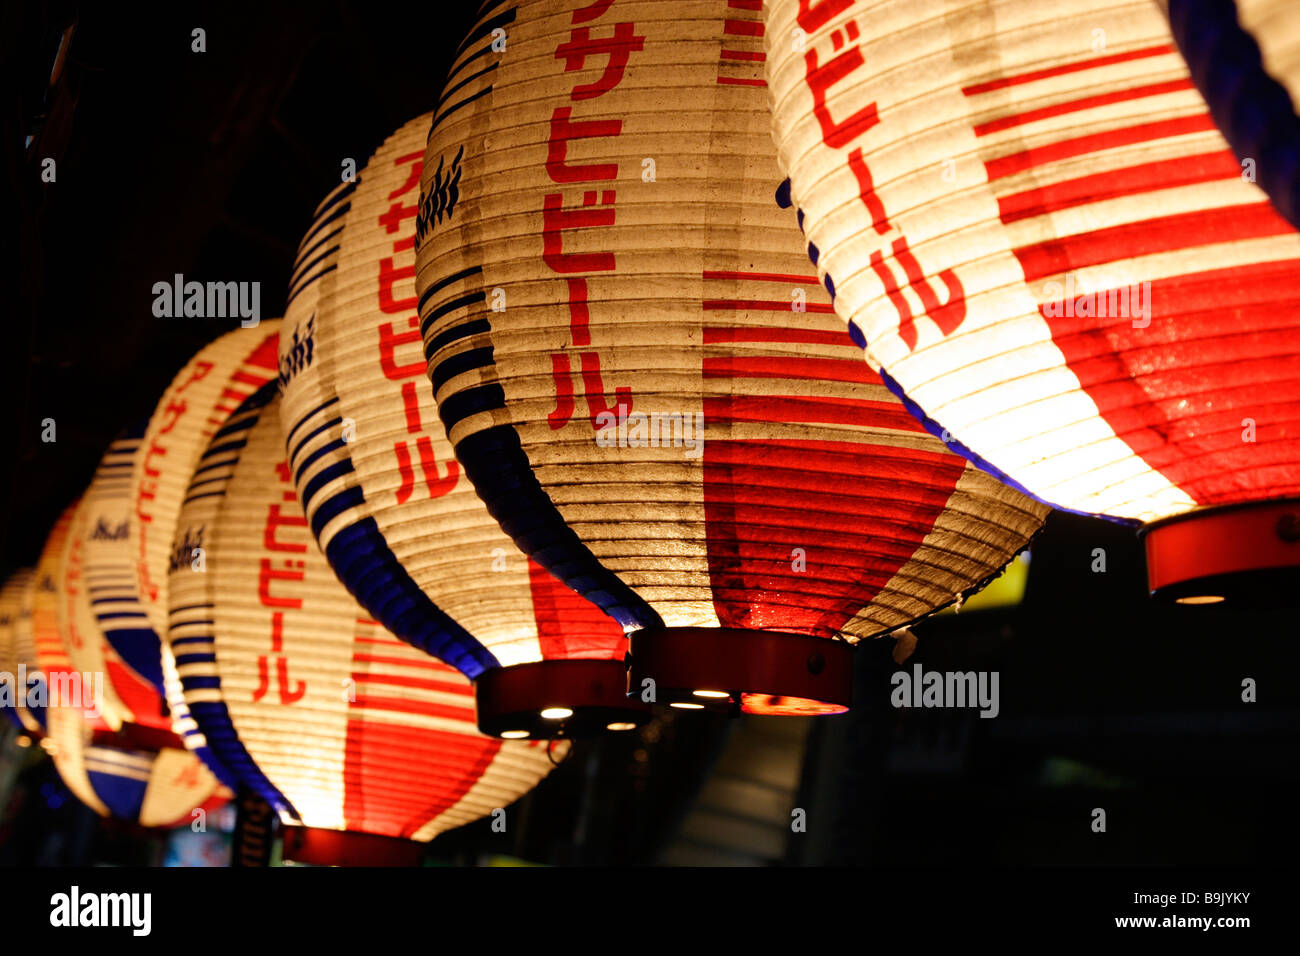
558	698
1246	553
321	847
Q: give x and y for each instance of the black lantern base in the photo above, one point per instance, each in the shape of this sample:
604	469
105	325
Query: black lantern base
737	670
321	847
1243	554
545	700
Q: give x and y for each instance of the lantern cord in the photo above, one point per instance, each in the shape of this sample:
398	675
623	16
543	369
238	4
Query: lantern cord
550	753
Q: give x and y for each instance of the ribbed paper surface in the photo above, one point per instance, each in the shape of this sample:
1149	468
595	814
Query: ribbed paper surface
332	718
1027	215
635	360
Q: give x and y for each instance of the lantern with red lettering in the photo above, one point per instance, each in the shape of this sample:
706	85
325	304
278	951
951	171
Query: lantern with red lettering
131	572
22	693
1043	242
384	495
335	722
1244	56
638	372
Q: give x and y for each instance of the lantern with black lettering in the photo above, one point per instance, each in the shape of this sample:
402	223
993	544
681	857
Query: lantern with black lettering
361	741
638	372
1043	242
384	495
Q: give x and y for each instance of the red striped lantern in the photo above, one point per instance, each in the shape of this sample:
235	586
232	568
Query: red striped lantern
1043	242
336	723
639	373
387	500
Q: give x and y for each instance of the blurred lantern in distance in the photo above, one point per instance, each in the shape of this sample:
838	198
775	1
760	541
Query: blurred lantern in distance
1045	244
24	684
638	371
1244	57
325	714
384	495
133	774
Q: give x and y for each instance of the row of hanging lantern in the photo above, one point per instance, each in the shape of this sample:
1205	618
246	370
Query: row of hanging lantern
561	402
1038	235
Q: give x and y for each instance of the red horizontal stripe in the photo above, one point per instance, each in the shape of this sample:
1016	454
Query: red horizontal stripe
762	305
400	705
1091	64
794	409
1095	143
420	683
743	28
740	81
426	664
1128	181
761	276
1164	234
794	367
744	55
1086	103
745	4
718	334
383	641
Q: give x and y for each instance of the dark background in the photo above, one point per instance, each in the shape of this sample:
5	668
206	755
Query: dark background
209	164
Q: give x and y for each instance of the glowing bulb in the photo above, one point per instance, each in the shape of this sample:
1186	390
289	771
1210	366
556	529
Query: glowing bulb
514	734
684	706
556	713
621	725
1201	599
711	693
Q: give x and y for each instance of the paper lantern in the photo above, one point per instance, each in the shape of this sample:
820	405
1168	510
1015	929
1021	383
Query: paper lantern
639	373
164	787
1038	236
115	774
335	722
99	594
67	686
1244	56
198	400
24	684
388	504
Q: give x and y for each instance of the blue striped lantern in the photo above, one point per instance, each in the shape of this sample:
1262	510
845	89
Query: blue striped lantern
1244	56
364	744
642	379
385	497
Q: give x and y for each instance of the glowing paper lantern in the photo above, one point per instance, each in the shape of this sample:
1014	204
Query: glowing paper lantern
1244	56
24	689
1039	237
638	373
199	399
161	787
335	722
97	588
385	497
68	687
